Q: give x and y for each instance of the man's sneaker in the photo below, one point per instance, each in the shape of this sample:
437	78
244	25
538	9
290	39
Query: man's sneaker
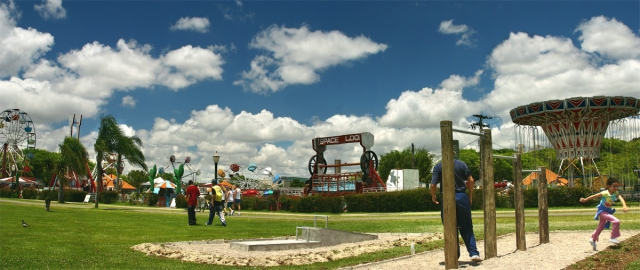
614	240
476	258
593	244
224	224
232	212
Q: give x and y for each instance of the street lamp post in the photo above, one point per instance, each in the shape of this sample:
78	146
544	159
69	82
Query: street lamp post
216	158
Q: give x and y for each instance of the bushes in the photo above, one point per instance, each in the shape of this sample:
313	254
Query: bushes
311	204
289	203
70	195
181	201
152	199
29	193
414	200
6	192
108	197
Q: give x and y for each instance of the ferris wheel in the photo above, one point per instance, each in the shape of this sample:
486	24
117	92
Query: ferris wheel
245	177
18	139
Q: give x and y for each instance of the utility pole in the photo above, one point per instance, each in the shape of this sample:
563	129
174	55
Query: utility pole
481	125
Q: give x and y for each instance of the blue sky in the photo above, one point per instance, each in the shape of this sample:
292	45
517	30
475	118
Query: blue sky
257	80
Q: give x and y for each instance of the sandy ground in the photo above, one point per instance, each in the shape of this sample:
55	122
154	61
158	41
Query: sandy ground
564	248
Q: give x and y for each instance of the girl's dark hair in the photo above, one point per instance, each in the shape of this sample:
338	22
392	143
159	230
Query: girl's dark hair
611	181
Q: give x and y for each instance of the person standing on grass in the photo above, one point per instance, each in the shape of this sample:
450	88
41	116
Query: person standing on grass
229	201
192	200
217	205
605	212
237	200
463	180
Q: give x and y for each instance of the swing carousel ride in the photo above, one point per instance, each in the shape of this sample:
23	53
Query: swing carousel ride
18	138
575	127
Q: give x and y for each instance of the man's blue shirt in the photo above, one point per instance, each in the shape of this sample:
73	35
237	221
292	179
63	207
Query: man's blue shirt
461	174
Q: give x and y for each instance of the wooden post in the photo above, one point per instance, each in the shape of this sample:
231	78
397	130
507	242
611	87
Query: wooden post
489	194
518	200
543	207
337	171
448	197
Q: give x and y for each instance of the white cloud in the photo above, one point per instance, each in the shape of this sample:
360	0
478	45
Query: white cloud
465	32
192	24
44	103
19	47
51	9
427	107
296	55
98	69
192	64
536	56
129	101
81	81
609	37
533	69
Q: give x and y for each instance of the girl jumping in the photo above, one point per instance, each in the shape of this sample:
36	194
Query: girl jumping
605	212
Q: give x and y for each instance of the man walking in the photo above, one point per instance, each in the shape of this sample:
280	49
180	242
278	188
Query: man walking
217	205
192	200
237	200
463	180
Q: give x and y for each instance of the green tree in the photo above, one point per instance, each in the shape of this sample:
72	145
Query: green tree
111	139
297	183
402	160
43	164
137	177
129	148
503	168
73	156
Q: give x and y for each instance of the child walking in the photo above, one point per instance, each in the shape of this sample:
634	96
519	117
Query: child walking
605	212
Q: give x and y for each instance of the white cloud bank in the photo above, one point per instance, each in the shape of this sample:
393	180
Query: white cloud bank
51	9
465	32
297	55
129	101
192	24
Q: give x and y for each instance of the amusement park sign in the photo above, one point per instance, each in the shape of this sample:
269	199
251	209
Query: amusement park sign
340	139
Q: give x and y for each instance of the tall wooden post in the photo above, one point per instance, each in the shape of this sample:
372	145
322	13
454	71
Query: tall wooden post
543	207
489	194
518	200
448	197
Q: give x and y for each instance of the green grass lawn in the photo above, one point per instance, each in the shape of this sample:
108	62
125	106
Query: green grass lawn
78	236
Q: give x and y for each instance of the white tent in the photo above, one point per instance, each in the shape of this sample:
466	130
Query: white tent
158	180
21	180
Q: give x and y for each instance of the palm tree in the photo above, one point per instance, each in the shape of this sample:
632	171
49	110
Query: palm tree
111	139
130	149
73	156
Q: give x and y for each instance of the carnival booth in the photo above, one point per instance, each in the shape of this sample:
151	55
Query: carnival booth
166	192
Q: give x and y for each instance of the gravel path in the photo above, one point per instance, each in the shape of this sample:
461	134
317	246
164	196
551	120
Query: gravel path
564	248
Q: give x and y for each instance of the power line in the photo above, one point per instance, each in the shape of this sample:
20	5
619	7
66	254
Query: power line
479	123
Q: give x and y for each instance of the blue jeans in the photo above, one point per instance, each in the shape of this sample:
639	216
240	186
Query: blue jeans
191	213
465	224
216	207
